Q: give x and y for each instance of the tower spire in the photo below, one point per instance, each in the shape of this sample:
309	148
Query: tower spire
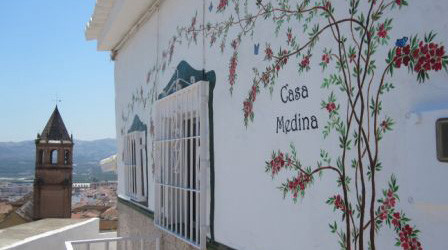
55	128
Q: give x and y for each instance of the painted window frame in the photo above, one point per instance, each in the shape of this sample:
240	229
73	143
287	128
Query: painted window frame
440	133
135	167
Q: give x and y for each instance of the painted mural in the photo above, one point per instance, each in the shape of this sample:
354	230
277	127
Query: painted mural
356	81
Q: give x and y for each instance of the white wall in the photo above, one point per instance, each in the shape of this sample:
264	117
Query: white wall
250	212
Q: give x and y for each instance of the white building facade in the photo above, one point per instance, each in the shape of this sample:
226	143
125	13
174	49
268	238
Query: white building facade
280	124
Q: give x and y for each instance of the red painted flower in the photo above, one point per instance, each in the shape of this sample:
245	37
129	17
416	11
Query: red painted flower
284	57
305	62
396	219
289	35
277	67
247	108
278	162
331	107
407	49
326	58
253	93
265	77
407	238
222	4
382	32
339	203
232	68
384	125
268	53
298	183
426	57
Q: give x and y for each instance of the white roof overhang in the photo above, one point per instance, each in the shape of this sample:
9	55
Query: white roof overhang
112	20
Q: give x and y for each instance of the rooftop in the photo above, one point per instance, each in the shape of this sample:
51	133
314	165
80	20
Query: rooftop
28	231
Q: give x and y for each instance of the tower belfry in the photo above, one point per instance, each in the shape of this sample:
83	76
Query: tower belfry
54	166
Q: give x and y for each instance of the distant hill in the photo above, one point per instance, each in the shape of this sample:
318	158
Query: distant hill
17	159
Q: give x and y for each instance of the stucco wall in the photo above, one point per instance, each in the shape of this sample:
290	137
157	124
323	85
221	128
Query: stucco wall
133	222
250	212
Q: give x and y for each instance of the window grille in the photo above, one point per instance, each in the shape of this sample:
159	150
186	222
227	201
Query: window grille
182	146
135	166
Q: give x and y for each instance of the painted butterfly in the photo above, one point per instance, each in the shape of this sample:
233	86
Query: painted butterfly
401	42
256	48
210	8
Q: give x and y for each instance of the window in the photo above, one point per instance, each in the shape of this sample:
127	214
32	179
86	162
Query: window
442	139
134	158
182	149
54	157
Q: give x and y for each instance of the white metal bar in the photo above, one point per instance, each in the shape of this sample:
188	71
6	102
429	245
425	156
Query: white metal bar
204	162
161	156
157	167
176	155
129	165
198	154
126	165
180	188
184	161
160	126
174	190
135	166
164	168
171	166
176	139
190	221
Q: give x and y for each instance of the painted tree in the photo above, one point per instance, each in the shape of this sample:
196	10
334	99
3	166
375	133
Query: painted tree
358	82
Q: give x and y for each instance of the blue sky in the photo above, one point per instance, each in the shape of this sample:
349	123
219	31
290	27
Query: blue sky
43	54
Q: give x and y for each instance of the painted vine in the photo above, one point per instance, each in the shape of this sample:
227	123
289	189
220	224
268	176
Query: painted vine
356	76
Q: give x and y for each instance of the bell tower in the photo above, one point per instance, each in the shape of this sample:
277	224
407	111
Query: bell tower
53	175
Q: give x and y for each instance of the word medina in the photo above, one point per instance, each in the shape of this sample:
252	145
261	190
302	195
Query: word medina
296	123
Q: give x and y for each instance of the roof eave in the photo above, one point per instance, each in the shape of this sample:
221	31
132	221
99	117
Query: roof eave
112	19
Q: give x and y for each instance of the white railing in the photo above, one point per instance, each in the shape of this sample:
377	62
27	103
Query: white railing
125	243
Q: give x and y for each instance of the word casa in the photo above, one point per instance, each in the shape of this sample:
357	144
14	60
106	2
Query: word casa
296	123
288	94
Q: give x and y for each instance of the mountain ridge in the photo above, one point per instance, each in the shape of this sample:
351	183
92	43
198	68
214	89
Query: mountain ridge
17	159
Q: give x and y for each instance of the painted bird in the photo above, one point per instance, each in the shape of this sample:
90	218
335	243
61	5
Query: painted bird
401	42
256	48
210	8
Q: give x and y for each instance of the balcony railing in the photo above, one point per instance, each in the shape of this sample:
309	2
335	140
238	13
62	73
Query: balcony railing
122	243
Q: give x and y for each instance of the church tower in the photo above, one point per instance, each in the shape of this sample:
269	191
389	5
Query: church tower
53	177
